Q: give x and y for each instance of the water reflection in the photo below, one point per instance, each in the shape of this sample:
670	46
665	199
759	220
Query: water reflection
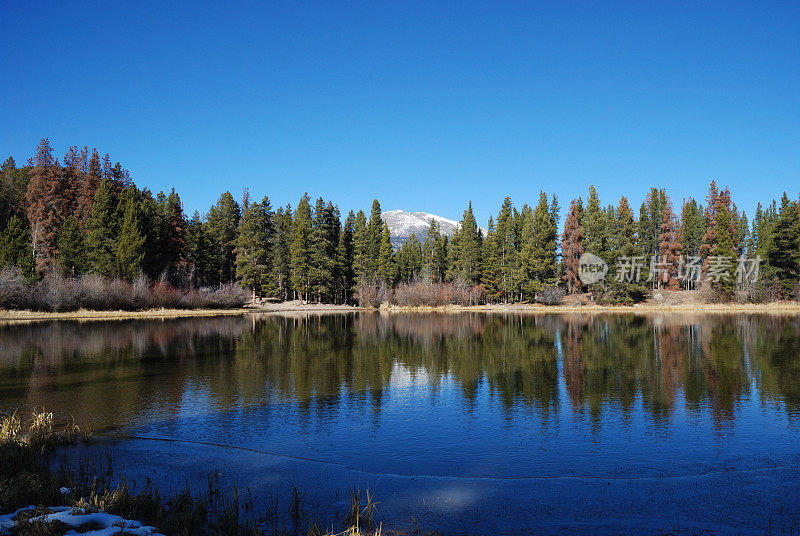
603	361
523	386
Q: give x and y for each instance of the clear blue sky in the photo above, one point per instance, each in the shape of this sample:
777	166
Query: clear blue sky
425	105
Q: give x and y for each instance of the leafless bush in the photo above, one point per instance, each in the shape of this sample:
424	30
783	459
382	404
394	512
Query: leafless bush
423	294
225	297
550	295
709	294
14	292
59	293
372	293
477	295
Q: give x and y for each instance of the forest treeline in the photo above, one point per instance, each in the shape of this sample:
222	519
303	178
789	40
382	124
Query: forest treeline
84	216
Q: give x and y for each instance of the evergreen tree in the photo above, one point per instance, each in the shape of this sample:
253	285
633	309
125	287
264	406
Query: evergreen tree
15	249
130	244
13	185
386	261
490	270
784	248
282	252
669	251
434	254
374	236
724	248
539	251
346	258
71	250
409	260
197	250
572	248
101	236
324	243
221	228
173	236
46	202
301	245
595	226
465	250
253	255
361	249
506	236
692	227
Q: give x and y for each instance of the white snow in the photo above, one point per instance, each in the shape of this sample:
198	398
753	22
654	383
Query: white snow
75	517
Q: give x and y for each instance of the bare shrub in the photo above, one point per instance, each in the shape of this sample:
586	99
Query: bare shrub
225	297
550	295
709	294
164	296
372	293
477	295
14	292
423	294
59	293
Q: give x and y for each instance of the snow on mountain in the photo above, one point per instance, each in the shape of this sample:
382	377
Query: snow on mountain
403	224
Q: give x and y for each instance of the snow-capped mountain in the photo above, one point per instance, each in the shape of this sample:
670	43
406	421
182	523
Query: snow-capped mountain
403	224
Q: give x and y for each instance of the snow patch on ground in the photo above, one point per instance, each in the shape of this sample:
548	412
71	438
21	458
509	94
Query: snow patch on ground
106	524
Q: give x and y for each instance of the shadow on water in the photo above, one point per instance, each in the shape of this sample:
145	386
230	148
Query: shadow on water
442	412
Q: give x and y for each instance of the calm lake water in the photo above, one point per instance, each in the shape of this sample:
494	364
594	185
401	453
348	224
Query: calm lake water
467	396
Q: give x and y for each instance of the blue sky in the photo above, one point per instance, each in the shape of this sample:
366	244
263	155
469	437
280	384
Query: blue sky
424	105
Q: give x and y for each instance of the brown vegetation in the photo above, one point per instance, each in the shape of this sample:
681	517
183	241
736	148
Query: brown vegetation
57	293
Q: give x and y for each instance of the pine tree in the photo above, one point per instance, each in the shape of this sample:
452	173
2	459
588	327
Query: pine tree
346	258
572	248
71	249
409	260
301	245
15	249
539	251
490	270
375	234
173	236
434	254
130	243
595	226
725	243
221	227
692	227
197	250
324	244
361	249
784	248
253	256
101	234
281	252
465	250
8	203
386	261
46	205
506	236
669	250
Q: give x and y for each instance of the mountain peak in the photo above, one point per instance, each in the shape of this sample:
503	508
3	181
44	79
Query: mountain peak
403	224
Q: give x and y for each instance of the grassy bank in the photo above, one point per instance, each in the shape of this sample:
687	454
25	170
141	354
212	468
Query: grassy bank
37	499
645	308
85	314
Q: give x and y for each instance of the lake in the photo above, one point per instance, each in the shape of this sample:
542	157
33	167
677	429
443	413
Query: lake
476	423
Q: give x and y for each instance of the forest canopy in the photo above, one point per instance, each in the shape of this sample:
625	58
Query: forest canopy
84	216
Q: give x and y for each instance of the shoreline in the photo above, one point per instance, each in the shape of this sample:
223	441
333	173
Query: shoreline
85	314
716	308
781	308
